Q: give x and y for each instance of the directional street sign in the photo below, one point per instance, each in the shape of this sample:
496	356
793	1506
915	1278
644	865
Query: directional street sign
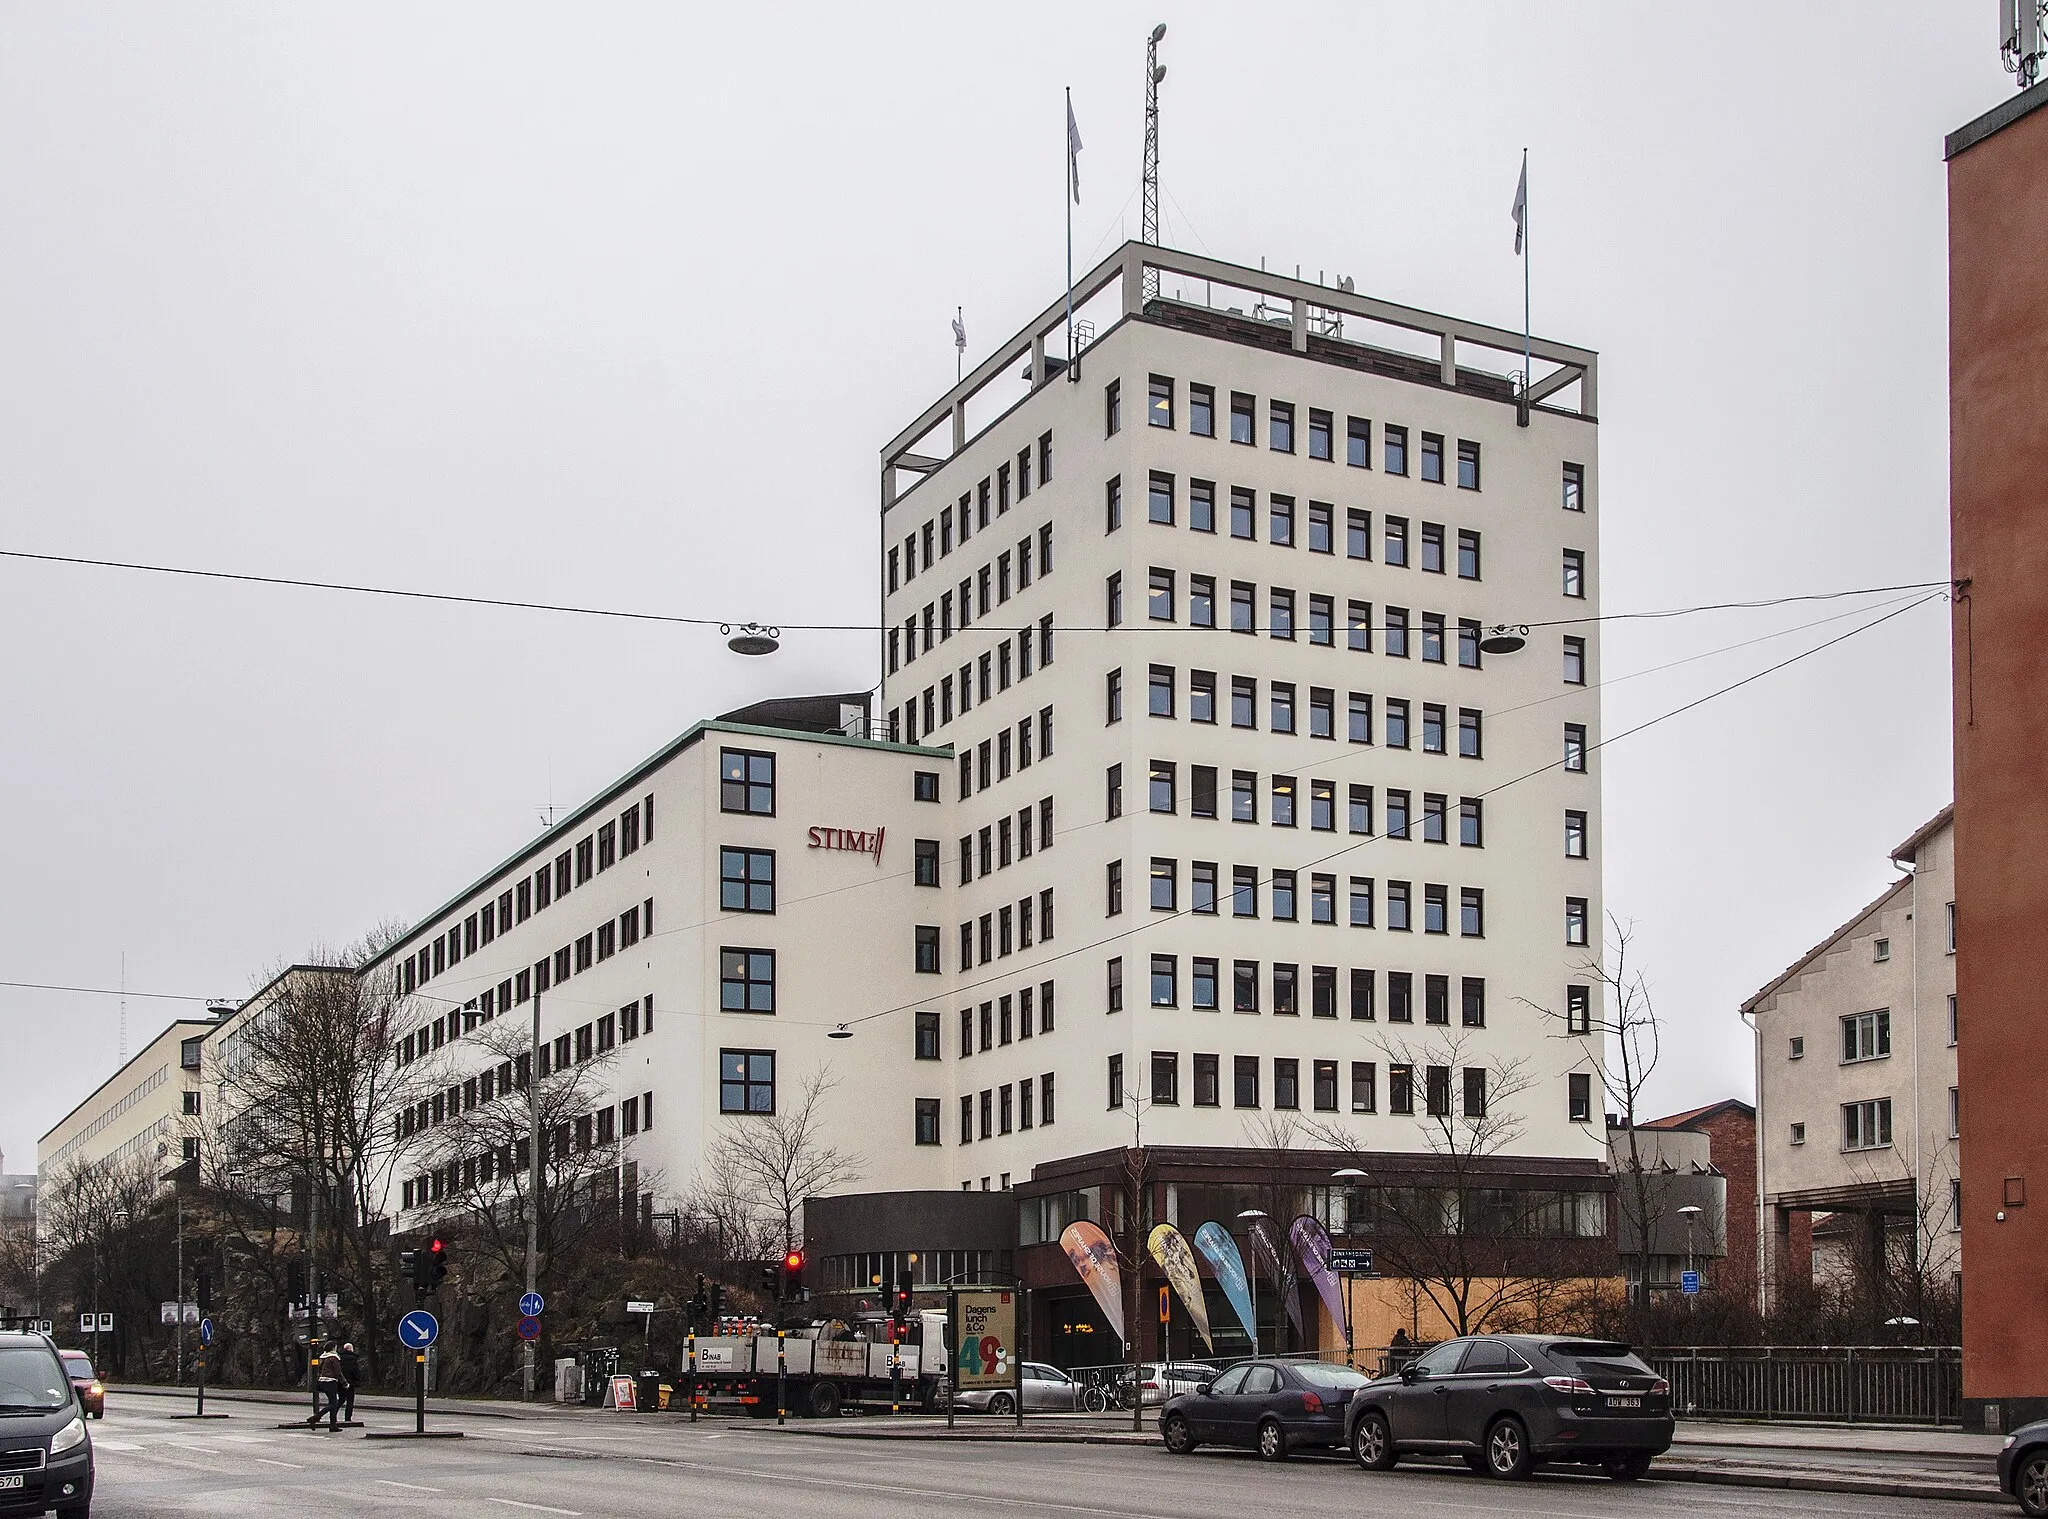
418	1329
1689	1282
529	1327
1358	1262
532	1305
633	1306
206	1331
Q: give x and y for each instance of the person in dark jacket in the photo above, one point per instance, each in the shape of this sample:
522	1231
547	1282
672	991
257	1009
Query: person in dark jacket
328	1383
351	1370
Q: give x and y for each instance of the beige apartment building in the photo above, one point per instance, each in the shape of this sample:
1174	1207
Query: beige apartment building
1858	1105
138	1118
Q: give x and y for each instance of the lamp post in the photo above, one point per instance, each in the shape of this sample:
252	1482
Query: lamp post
1689	1213
1348	1174
1249	1216
533	1185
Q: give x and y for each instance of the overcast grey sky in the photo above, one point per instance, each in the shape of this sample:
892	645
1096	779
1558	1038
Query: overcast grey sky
615	304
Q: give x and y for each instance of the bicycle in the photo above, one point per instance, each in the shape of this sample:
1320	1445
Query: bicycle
1110	1389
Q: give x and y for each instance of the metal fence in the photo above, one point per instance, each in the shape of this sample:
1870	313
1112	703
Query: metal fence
1878	1384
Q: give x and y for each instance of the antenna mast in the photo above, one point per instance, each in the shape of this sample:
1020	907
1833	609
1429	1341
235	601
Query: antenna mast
1149	234
2019	39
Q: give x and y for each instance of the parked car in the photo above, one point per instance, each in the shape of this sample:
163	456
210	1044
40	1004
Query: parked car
2023	1467
92	1394
1046	1388
45	1453
1509	1402
1271	1406
1160	1380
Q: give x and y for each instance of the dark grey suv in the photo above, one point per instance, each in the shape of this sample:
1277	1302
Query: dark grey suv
45	1453
1509	1402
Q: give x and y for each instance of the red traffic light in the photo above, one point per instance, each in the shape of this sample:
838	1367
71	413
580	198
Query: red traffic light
437	1247
794	1261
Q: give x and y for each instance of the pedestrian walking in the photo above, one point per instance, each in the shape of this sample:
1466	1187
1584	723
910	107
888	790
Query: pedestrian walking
328	1383
351	1370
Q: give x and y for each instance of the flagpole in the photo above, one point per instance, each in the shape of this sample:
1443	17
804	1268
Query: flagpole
1527	378
1066	195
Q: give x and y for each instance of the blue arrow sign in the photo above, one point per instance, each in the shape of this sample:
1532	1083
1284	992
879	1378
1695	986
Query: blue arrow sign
206	1331
1689	1282
532	1306
417	1330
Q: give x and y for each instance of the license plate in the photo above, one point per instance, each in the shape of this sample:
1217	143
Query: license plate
1624	1402
11	1483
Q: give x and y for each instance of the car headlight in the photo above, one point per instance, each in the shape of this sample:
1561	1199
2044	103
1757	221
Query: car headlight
98	1390
2008	1442
69	1437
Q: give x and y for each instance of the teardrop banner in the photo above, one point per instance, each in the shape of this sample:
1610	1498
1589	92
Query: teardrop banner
1170	1249
1214	1241
1312	1244
1094	1259
1279	1263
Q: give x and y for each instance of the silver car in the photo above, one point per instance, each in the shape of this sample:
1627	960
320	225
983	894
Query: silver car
1160	1380
1046	1388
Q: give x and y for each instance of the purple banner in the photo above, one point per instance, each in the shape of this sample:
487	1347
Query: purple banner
1312	1244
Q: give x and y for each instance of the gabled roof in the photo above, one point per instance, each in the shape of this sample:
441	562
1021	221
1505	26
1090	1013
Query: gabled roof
1692	1118
1750	1005
1906	852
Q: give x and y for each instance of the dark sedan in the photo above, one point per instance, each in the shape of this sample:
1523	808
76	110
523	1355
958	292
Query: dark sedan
1271	1406
1507	1403
2023	1467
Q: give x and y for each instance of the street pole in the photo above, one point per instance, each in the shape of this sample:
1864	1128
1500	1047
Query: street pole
313	1266
781	1376
419	1399
533	1163
952	1346
693	1374
179	1192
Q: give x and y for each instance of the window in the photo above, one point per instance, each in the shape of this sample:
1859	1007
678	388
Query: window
1202	791
1400	1089
1575	920
1201	601
1472	912
1112	512
1797	1134
1113	599
1245	1081
1201	696
1866	1036
1165	981
1115	984
1575	573
1159	691
1397	813
1112	411
1282	703
1159	402
1397	722
1322	617
927	1120
1286	1083
1244	986
1574	660
1574	835
1433	458
1395	451
1361	907
1113	888
1432	559
1322	985
1113	697
1359	720
1475	1092
1202	410
1281	603
1472	1001
1116	1081
1358	442
746	879
746	980
927	1047
1165	885
1955	1112
1165	1078
1283	799
1280	426
1398	894
1435	908
1242	409
1242	617
746	1081
1795	1047
1395	532
1579	1096
1468	465
1280	521
1880	950
927	960
1242	513
1432	728
1575	754
1113	784
1244	796
1574	487
1578	1010
1469	733
1159	499
926	860
1321	528
1472	822
924	786
1397	632
1951	928
1322	806
1283	896
1867	1125
1206	1083
746	782
1951	1021
1364	1097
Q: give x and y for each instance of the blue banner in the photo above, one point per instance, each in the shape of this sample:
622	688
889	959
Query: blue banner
1215	1243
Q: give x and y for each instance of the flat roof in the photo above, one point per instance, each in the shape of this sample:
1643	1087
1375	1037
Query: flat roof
1995	120
175	1023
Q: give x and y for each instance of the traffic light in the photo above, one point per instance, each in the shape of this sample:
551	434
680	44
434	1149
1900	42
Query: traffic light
793	1274
899	1307
203	1293
409	1267
699	1304
771	1280
295	1280
434	1261
717	1301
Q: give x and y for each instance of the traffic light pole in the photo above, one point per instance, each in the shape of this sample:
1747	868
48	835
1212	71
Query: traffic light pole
419	1400
534	1168
781	1377
693	1376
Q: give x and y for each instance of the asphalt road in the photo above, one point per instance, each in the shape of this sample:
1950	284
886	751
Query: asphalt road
571	1468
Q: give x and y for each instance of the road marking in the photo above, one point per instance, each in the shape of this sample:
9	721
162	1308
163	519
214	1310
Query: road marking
268	1462
101	1442
538	1508
204	1450
409	1486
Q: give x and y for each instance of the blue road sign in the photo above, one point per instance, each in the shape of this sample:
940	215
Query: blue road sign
529	1328
1689	1282
417	1330
206	1331
532	1306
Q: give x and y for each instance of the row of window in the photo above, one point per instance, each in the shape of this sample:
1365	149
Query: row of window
1321	438
1286	713
995	669
925	546
514	991
994	934
1437	1084
1002	1110
994	847
990	587
605	1127
1405	634
1284	894
1001	1019
1359	986
1867	1125
592	1040
993	760
595	853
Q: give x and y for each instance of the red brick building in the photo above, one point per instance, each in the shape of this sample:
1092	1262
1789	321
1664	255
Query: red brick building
1730	1127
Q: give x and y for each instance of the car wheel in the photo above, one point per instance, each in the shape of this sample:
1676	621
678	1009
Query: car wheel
1272	1441
1372	1446
1630	1468
1507	1450
824	1400
1002	1405
2030	1484
1180	1439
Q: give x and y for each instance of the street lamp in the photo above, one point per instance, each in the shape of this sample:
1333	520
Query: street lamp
1689	1213
1348	1174
1252	1215
1505	638
751	637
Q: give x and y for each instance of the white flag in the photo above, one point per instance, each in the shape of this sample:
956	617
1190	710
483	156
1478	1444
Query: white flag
1521	209
1073	150
959	335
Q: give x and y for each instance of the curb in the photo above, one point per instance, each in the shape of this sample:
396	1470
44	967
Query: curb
383	1403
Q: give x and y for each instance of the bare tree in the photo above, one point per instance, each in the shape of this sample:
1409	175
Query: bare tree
1627	1032
763	1166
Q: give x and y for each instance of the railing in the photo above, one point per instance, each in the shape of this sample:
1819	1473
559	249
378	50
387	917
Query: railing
1879	1384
